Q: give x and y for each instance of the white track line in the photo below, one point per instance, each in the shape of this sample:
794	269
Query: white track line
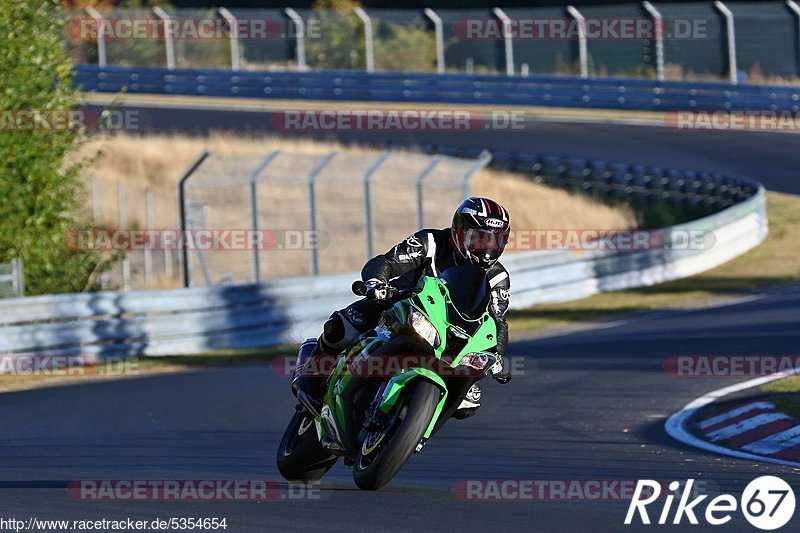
713	421
675	426
776	442
745	425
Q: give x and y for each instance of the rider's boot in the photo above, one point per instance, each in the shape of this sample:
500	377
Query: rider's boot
470	404
307	378
311	372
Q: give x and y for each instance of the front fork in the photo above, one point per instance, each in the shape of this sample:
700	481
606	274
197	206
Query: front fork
392	391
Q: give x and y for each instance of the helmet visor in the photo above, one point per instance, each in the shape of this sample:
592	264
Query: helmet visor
484	242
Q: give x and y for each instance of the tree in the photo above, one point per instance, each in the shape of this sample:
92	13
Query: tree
340	42
39	185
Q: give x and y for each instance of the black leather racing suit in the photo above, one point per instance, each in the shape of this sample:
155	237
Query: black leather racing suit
426	252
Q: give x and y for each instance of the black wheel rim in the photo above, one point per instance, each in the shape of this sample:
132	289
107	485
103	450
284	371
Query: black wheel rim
302	425
375	441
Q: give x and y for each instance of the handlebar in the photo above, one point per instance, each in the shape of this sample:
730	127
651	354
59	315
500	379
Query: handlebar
359	288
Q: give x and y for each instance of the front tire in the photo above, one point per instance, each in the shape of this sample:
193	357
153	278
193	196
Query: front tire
301	458
380	464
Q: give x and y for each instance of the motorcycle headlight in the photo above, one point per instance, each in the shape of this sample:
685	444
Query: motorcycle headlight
476	360
424	327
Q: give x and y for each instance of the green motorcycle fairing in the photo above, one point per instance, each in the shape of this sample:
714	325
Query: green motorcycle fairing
479	335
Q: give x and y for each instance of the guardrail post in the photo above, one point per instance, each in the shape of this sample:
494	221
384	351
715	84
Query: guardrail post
234	29
582	52
439	36
507	39
731	36
182	213
312	210
253	182
483	159
420	181
300	39
169	42
167	262
202	253
368	45
148	252
122	220
791	4
658	23
367	202
101	35
18	277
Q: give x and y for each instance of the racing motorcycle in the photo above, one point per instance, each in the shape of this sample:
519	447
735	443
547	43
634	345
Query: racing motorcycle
431	344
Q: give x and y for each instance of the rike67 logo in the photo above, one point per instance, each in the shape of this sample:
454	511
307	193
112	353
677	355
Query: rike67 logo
767	503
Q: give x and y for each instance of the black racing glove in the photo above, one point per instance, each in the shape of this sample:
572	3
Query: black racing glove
499	373
378	289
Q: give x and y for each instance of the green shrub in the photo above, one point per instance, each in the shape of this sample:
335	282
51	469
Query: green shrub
340	43
408	48
39	187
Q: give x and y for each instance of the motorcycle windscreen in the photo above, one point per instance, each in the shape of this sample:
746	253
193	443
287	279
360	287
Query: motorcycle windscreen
469	289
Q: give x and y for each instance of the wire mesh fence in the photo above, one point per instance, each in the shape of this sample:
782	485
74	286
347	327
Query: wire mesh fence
317	213
688	40
122	207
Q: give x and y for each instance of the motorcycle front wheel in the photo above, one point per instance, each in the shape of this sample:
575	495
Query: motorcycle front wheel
383	454
301	457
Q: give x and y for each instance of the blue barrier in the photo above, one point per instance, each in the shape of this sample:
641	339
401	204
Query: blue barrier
539	90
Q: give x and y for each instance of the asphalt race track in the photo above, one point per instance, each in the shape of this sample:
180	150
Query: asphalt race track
768	157
591	406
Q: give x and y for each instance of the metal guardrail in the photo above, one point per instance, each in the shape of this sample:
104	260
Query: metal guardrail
539	90
153	323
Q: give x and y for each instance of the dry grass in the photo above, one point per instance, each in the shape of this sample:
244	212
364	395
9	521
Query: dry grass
156	163
535	206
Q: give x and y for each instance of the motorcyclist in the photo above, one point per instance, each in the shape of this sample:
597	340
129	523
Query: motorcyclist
477	235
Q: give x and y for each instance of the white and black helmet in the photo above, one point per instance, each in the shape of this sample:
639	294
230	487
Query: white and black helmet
480	231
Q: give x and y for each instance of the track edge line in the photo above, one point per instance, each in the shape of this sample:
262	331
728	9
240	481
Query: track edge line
675	426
